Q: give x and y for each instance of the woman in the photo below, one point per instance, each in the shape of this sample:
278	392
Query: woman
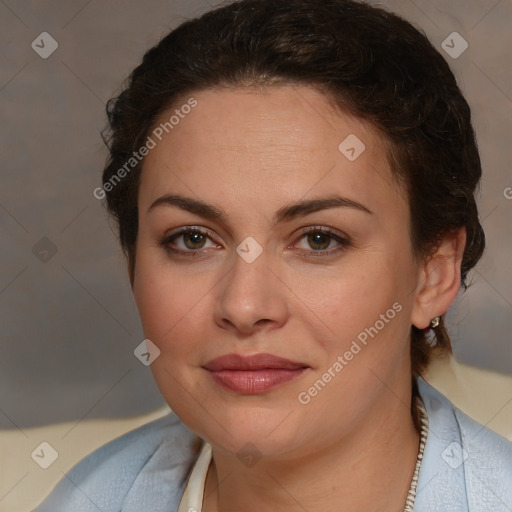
293	183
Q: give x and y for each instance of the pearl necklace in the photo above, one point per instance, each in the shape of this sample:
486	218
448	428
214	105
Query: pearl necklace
409	502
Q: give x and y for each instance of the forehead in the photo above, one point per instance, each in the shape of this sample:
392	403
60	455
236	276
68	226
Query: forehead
282	141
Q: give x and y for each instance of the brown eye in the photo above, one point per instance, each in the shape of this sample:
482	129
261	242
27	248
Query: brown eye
319	240
193	240
188	242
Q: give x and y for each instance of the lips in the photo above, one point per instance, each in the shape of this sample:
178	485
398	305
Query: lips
254	374
254	362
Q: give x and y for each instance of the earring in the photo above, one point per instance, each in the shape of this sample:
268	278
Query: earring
435	321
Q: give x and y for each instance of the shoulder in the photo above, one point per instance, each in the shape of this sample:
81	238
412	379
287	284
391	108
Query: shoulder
113	477
466	466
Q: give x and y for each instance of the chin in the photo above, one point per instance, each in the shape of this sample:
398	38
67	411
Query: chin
269	431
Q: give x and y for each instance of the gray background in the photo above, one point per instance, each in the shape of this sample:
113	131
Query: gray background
68	323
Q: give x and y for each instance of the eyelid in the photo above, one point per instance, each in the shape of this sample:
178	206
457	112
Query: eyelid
324	229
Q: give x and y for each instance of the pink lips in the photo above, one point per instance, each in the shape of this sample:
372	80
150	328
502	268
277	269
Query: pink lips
253	374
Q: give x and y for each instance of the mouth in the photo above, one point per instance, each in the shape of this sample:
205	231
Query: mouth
253	374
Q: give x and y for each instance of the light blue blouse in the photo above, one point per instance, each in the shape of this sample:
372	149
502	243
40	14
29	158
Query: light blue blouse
466	467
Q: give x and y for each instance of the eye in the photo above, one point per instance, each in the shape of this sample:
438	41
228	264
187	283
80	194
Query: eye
320	239
192	241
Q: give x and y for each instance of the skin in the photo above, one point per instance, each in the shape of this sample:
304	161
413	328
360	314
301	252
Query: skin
250	152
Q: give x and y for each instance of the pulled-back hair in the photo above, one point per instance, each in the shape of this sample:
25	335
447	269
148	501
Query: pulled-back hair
369	62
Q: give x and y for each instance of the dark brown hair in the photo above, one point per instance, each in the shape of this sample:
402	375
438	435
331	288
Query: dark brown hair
370	62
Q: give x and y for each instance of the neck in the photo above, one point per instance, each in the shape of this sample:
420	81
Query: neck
370	470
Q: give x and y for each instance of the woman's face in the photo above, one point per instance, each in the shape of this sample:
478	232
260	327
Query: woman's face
328	286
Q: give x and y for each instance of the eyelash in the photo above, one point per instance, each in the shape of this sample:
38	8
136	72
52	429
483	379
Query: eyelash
344	242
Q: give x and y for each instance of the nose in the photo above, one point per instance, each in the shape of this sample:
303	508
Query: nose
251	297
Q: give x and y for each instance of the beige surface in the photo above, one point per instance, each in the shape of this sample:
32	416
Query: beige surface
485	396
23	484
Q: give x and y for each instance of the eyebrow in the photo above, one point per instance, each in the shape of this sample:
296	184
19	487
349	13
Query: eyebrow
286	213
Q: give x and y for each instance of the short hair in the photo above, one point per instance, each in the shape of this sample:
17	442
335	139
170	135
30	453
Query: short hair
371	63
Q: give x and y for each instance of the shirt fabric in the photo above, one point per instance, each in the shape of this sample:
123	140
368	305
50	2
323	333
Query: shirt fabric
161	467
192	499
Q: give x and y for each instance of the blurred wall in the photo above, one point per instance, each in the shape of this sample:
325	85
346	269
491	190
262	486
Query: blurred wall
68	325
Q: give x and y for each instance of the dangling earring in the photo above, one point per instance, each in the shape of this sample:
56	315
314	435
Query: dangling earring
435	322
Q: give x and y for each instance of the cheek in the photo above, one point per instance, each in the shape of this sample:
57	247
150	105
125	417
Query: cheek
364	307
347	298
155	295
171	304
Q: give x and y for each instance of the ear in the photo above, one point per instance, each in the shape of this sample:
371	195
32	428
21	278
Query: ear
439	279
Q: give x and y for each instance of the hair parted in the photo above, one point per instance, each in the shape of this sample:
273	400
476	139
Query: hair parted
370	62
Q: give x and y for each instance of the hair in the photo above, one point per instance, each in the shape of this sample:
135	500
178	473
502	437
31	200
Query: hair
370	62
